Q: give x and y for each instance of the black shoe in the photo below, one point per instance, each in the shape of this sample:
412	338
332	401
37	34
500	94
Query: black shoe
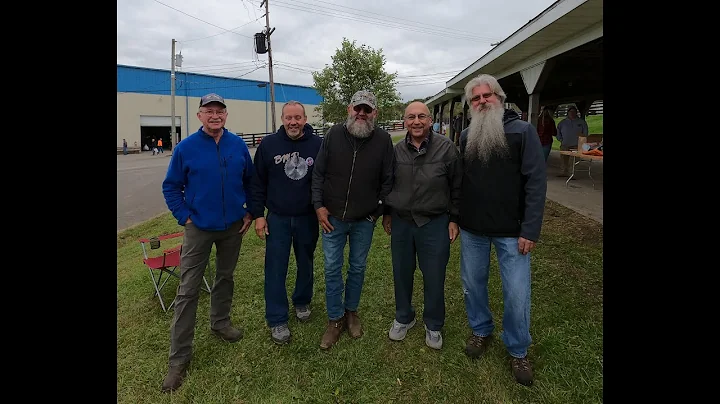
174	378
522	370
229	334
476	346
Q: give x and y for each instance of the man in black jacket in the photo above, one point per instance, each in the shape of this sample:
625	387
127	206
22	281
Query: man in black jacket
502	203
351	179
421	214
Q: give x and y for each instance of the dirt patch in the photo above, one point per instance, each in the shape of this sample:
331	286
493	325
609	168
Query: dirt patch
559	219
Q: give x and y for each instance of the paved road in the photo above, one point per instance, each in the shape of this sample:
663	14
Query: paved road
139	187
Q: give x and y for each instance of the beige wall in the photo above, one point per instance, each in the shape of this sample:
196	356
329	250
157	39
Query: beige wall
243	116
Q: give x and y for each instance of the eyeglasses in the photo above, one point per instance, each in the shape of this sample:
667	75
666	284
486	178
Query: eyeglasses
363	107
211	113
421	117
479	96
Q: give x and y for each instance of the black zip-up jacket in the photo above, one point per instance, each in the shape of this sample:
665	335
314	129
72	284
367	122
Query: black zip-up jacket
352	177
506	196
426	184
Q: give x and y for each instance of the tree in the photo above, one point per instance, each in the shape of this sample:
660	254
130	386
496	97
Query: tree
355	68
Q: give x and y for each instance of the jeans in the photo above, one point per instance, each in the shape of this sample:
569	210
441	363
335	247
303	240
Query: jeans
359	233
431	244
302	232
515	275
546	150
196	249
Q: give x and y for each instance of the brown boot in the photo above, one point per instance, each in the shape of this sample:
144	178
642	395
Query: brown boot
353	324
174	378
332	333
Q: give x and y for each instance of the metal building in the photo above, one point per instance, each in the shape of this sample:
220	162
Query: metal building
144	103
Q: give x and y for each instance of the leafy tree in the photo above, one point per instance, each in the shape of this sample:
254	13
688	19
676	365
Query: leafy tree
355	68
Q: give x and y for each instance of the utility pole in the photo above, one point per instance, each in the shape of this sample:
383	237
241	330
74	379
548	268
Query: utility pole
172	95
270	66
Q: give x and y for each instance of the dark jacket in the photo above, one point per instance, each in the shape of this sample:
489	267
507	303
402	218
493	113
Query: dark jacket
426	183
283	173
352	176
506	196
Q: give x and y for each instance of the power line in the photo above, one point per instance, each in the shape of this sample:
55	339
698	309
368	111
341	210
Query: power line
221	33
374	21
192	16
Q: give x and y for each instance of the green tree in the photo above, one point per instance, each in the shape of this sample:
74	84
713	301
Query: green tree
355	68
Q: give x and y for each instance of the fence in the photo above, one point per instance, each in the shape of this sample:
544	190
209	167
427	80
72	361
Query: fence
254	139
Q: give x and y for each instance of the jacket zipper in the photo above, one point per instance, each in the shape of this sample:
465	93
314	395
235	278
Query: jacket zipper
222	183
347	197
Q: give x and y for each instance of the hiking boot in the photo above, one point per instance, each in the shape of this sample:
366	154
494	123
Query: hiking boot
433	339
522	370
302	313
175	377
476	345
229	334
353	324
398	331
280	334
332	333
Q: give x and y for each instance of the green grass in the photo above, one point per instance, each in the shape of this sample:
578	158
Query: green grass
567	330
595	126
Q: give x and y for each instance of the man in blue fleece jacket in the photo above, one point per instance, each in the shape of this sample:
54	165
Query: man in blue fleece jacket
206	189
283	173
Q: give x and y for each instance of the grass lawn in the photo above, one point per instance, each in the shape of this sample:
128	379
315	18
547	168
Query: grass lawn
595	126
567	330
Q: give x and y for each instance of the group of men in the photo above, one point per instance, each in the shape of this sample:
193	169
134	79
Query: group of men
488	191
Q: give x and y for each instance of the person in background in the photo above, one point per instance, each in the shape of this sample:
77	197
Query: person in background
546	131
568	131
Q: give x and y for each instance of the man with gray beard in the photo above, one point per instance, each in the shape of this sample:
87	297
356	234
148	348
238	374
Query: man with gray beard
352	177
502	203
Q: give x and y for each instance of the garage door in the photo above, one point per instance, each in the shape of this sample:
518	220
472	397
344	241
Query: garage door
150	120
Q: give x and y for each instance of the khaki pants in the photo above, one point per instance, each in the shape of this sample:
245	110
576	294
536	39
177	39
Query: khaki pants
566	159
196	249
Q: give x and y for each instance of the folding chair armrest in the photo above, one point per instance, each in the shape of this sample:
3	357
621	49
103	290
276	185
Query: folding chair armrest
172	250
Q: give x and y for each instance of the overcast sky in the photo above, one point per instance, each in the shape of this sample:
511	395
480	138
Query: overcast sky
426	42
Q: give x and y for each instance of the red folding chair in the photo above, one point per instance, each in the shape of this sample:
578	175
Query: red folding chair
167	263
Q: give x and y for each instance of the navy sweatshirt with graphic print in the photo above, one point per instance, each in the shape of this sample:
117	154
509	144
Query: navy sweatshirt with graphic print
283	174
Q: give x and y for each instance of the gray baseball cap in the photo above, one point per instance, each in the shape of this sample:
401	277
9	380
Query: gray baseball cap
212	97
364	97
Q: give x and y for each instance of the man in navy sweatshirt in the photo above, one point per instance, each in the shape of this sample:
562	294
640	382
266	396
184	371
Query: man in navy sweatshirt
502	201
284	164
207	189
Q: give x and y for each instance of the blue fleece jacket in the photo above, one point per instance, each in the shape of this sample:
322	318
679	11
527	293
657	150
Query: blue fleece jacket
283	173
209	182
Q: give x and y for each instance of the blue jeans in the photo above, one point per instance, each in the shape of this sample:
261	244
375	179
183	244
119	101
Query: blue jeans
515	275
302	232
546	150
431	245
359	233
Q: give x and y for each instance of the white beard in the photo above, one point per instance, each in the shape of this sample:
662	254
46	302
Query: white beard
486	135
360	128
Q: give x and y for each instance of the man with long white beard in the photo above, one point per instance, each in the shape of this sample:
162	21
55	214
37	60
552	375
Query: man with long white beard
352	177
502	203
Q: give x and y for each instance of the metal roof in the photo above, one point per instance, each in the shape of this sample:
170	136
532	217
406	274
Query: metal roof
563	26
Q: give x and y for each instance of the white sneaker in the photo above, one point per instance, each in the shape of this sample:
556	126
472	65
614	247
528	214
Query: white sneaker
398	331
433	339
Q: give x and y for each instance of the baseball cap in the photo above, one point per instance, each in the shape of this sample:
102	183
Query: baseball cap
364	97
212	97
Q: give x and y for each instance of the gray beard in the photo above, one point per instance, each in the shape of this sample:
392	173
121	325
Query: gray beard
486	135
359	128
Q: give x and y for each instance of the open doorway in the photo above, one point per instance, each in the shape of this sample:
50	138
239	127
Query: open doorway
147	133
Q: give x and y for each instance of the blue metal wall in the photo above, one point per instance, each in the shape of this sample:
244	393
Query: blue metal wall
131	79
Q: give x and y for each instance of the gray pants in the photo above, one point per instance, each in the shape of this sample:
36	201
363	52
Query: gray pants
196	250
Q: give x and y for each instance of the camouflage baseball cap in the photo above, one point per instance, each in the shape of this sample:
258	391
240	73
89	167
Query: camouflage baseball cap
212	97
364	97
